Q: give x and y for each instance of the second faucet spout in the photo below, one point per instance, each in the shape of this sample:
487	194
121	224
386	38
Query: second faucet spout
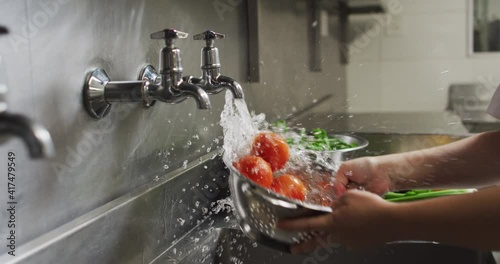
36	138
233	85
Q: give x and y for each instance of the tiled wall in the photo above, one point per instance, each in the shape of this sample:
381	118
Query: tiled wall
408	64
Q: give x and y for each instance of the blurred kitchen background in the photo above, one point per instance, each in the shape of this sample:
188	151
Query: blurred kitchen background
392	66
429	57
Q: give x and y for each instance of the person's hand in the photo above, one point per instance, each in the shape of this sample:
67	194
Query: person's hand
362	173
359	220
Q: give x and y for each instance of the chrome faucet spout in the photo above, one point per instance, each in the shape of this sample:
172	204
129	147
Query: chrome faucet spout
197	93
218	85
36	138
233	85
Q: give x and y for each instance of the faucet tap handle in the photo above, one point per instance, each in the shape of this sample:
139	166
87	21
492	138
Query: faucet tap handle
210	62
169	35
208	35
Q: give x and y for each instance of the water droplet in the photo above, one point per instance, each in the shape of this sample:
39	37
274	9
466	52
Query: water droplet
205	249
181	221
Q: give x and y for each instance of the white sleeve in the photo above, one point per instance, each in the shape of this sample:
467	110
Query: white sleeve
494	108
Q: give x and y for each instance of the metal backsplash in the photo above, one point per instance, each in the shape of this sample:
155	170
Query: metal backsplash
53	43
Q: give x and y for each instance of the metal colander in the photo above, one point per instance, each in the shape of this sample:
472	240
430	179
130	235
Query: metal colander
258	210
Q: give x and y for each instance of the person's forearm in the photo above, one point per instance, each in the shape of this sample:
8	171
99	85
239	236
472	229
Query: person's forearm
469	220
471	162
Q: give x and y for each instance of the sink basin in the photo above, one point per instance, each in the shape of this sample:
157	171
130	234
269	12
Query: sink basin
233	247
219	239
211	243
382	144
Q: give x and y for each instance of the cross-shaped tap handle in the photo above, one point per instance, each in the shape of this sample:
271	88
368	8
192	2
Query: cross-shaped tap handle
169	35
209	34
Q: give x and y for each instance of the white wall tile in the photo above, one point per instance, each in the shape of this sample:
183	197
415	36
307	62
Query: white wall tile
365	81
427	37
411	69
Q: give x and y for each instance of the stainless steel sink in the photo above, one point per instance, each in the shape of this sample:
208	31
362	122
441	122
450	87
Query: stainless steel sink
211	243
219	240
382	144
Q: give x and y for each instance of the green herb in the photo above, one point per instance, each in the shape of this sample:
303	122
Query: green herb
281	125
318	140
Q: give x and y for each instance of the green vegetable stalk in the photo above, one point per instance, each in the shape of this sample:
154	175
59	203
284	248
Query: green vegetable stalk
318	140
423	194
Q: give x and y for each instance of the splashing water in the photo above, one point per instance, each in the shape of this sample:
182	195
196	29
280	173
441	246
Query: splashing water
313	167
225	204
239	128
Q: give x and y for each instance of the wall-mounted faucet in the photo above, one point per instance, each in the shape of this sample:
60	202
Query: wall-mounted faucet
36	138
212	81
100	92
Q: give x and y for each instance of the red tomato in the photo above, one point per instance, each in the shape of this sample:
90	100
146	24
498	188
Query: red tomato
272	148
290	186
256	169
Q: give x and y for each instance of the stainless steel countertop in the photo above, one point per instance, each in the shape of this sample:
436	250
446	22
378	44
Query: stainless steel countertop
403	122
478	117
